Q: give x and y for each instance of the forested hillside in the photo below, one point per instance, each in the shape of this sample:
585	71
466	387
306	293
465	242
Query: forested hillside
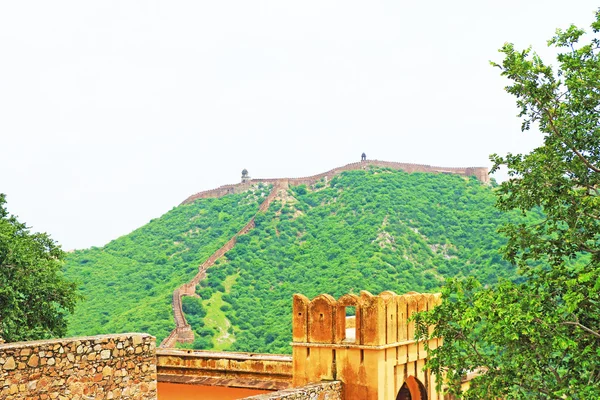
376	230
373	230
128	284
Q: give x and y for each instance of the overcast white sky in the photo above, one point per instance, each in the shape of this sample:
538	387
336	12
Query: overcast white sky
113	112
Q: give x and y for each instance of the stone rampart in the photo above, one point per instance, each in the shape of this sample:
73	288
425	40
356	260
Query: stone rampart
183	332
170	340
94	367
226	189
214	368
481	173
332	390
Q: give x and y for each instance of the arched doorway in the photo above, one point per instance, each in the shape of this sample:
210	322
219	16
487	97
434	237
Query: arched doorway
412	389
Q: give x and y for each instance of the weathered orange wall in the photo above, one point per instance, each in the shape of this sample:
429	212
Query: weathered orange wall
330	390
179	391
382	356
213	368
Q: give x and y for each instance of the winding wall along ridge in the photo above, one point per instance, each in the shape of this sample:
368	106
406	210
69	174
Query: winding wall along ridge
183	332
480	173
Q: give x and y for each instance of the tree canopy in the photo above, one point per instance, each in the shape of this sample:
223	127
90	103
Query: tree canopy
538	336
35	298
374	229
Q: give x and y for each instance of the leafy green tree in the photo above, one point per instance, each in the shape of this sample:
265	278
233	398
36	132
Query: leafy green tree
539	336
34	296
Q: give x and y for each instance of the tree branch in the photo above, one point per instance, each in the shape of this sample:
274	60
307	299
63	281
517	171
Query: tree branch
573	149
585	328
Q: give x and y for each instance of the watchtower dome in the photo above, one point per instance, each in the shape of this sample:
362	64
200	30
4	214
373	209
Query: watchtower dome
245	176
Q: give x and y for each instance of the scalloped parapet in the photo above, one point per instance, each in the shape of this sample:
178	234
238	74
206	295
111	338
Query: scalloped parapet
373	352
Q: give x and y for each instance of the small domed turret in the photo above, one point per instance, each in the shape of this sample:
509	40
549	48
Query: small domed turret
245	176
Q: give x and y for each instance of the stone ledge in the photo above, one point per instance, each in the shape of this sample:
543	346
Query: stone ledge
230	355
346	345
332	390
37	343
214	368
227	382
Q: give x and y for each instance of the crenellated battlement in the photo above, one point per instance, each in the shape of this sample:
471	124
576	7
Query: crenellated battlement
374	354
380	321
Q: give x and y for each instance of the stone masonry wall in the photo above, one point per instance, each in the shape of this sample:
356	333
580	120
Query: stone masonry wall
119	366
481	173
332	390
183	331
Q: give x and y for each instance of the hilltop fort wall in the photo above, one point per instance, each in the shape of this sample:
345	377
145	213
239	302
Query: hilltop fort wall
481	173
99	367
183	332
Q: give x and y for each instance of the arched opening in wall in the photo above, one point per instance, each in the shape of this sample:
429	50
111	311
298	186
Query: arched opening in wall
350	325
412	389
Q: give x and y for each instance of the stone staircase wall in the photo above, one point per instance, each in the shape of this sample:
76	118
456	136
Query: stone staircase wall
183	332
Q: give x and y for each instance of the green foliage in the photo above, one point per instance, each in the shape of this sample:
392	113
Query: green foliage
35	298
366	230
221	334
370	230
538	337
128	284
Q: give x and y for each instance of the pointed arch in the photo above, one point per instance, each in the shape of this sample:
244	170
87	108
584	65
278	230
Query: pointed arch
412	389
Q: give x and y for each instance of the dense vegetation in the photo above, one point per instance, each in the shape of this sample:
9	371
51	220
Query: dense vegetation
373	230
35	298
128	284
364	230
538	337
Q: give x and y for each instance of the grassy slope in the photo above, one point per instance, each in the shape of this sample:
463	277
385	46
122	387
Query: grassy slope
375	231
215	317
128	283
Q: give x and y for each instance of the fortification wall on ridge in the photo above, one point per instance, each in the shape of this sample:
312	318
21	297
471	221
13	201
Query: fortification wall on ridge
222	191
481	173
100	367
183	331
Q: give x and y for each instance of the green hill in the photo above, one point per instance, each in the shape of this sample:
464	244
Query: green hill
128	284
364	230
